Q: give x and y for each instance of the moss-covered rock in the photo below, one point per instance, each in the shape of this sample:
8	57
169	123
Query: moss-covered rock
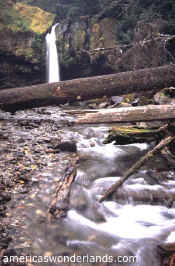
78	44
103	34
22	46
17	16
131	134
35	18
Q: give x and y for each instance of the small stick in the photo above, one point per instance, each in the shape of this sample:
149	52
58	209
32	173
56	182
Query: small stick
137	165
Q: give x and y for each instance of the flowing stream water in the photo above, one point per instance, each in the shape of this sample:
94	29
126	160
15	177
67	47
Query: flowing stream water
52	60
130	226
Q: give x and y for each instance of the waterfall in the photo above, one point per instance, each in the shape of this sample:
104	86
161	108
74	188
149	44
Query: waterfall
52	61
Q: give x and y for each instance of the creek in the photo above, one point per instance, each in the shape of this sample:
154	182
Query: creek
127	228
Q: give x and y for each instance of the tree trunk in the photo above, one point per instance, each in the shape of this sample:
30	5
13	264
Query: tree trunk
127	114
87	88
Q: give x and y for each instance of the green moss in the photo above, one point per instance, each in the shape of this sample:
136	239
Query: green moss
130	134
11	19
22	17
37	19
103	34
37	42
79	39
69	60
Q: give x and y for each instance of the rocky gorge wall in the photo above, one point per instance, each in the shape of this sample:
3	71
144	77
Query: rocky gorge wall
22	46
89	41
90	47
86	47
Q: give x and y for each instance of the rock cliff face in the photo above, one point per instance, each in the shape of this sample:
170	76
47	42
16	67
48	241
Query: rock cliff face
22	48
86	47
90	47
106	37
21	64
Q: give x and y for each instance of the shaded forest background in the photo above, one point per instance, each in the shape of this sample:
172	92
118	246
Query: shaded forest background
126	12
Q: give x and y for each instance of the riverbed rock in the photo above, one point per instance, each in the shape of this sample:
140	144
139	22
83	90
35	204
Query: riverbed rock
165	96
67	146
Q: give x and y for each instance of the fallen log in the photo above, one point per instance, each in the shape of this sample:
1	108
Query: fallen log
87	88
127	114
167	252
60	203
134	134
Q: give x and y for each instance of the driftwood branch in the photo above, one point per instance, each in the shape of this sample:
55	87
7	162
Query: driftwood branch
137	165
127	114
87	88
164	38
60	203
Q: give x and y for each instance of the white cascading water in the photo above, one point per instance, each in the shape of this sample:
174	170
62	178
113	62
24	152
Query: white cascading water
52	61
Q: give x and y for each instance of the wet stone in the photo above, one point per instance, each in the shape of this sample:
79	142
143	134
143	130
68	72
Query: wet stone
4	196
78	197
67	146
116	99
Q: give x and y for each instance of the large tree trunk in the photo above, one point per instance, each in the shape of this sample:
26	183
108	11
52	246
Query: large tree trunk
127	114
86	88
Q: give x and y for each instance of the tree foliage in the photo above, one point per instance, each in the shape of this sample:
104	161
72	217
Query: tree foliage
126	12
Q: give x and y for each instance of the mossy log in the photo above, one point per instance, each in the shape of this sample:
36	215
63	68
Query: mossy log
88	88
132	134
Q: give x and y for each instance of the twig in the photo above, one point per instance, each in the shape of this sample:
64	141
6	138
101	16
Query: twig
172	259
137	165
